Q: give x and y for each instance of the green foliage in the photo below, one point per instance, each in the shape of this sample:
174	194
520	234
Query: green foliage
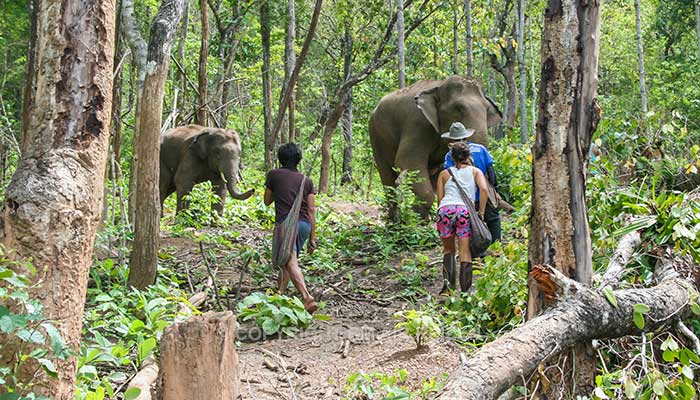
414	275
275	313
670	377
498	299
122	327
377	385
33	339
419	325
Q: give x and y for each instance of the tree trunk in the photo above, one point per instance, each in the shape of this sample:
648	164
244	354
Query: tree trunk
199	359
469	37
203	56
568	116
326	140
267	85
400	48
182	77
144	255
455	40
347	115
580	315
523	71
697	26
53	202
290	59
640	57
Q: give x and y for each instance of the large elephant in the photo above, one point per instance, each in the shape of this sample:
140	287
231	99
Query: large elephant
405	129
192	154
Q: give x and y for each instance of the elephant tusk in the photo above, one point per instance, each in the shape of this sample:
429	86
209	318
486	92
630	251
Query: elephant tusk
223	178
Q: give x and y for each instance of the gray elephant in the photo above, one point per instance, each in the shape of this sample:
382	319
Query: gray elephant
405	128
192	154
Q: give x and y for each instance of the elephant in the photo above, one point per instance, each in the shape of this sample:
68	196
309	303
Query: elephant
405	129
192	154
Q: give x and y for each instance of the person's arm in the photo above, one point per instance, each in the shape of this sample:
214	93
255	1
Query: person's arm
442	178
483	188
268	197
448	160
310	204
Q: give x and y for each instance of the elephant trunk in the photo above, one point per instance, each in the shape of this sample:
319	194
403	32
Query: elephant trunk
230	180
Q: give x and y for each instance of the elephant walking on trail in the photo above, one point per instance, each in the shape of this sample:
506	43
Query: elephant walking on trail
192	154
405	129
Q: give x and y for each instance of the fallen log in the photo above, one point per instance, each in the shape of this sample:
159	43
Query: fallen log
579	315
144	379
199	360
616	267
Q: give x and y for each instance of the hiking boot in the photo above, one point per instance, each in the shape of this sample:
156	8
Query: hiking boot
448	272
465	276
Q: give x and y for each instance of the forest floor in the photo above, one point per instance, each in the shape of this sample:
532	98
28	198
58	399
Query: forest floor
359	336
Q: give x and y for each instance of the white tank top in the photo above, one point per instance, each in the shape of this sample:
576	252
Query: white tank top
453	196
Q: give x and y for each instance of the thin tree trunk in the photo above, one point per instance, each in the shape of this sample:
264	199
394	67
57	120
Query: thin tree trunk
326	140
267	85
640	57
203	56
290	59
53	202
697	26
400	48
347	115
455	40
182	77
144	255
533	84
523	71
559	233
469	37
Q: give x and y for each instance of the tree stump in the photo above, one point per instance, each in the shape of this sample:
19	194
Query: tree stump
199	359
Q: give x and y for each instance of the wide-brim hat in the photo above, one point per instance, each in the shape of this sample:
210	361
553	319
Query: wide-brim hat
457	132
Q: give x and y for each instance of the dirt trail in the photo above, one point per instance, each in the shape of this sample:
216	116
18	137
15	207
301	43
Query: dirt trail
316	367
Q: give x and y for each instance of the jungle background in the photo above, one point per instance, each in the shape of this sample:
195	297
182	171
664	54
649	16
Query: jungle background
370	274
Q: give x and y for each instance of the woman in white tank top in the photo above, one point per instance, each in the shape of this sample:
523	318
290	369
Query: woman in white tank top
453	217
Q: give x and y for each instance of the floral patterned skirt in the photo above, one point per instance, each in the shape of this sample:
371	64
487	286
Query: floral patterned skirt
453	219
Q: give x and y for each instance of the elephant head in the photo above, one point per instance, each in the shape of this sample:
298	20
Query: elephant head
220	149
459	99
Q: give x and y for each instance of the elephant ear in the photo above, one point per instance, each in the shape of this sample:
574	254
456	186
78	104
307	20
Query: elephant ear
199	145
427	102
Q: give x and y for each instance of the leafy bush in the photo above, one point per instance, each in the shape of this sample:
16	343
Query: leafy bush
275	313
362	386
33	339
419	325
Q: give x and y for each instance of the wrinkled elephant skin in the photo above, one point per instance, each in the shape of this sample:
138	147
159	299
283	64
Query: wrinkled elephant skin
192	154
406	125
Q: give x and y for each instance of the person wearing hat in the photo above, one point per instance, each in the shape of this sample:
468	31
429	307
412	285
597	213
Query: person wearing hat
482	159
454	218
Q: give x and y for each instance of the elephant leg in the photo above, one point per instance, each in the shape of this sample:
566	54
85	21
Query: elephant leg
388	178
183	189
422	188
220	190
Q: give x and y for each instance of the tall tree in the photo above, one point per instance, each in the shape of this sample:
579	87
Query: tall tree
523	71
290	59
469	37
568	116
144	254
640	57
181	75
400	46
267	85
455	39
331	114
203	57
347	115
503	61
52	204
